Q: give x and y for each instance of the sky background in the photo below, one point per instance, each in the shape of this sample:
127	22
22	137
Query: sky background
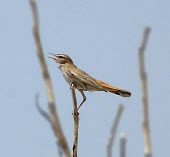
102	37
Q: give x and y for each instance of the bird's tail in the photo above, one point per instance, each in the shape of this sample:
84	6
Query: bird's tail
112	89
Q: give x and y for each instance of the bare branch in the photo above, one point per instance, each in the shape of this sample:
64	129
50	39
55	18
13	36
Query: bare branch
76	121
122	145
145	109
113	131
55	123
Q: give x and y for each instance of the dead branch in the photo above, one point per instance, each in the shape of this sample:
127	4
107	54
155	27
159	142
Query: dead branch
145	108
76	121
123	142
55	123
113	131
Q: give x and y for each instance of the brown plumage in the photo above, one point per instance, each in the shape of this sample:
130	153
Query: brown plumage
83	81
113	89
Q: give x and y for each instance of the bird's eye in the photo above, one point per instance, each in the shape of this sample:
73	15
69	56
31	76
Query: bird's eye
60	57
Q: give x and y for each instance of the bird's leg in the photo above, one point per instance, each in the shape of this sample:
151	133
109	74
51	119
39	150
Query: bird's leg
71	84
83	86
84	98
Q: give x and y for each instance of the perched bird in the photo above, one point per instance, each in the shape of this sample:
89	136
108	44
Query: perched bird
81	80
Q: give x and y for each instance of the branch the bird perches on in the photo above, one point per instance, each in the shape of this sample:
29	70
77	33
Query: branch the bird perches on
76	121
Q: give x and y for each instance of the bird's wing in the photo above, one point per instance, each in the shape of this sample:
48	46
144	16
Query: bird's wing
82	76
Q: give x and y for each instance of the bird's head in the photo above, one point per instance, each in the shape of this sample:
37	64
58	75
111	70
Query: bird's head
61	59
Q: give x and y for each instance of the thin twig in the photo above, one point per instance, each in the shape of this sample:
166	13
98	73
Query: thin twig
47	117
113	130
123	142
40	110
76	121
55	123
60	150
145	108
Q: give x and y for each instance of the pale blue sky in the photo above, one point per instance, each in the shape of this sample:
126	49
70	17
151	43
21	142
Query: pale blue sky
102	37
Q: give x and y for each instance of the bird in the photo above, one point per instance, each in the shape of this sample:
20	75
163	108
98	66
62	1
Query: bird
81	80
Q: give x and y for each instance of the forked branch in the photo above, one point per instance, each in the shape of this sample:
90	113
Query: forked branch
54	119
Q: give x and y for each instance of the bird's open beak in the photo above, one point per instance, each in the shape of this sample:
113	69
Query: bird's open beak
53	56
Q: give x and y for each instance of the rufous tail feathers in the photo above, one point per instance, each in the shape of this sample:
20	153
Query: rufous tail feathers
113	89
